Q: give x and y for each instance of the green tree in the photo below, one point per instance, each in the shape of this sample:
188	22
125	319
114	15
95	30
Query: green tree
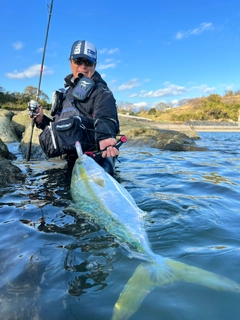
2	96
214	98
161	106
229	93
152	111
32	93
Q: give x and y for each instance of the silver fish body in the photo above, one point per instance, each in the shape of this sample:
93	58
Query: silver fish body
109	204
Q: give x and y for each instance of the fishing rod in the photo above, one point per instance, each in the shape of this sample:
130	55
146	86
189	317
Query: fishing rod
33	104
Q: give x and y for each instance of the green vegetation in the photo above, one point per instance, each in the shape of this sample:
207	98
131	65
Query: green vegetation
152	111
211	108
16	101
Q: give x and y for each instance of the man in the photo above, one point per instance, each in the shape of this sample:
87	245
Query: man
85	111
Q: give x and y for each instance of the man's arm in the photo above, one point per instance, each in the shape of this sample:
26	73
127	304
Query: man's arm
106	122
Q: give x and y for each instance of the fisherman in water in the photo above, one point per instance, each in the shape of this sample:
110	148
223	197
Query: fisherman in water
85	110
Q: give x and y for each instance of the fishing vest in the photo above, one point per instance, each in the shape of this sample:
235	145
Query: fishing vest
69	125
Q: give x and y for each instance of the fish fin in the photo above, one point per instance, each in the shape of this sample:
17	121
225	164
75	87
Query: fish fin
146	277
99	181
134	292
202	277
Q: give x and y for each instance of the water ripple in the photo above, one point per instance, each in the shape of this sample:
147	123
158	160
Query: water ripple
56	265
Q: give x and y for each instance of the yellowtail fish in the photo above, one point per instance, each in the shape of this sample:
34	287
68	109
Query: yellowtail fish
107	203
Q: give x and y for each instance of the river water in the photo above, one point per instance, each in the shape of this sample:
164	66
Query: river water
58	266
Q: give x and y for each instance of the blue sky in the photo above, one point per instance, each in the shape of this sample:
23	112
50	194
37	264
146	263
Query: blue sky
147	51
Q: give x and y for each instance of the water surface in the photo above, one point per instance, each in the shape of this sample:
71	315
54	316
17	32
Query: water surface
59	266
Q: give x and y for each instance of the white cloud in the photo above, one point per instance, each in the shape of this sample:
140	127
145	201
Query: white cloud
140	105
30	72
202	27
102	51
39	50
133	95
229	87
108	65
170	90
108	51
18	45
103	75
202	88
111	51
208	90
109	60
175	103
133	83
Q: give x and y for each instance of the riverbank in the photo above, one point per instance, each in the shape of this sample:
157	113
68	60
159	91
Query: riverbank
181	127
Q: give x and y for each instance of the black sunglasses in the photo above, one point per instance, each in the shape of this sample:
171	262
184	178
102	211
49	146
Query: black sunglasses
81	61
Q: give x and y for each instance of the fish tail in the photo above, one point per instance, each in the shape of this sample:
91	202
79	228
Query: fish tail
202	277
142	282
151	275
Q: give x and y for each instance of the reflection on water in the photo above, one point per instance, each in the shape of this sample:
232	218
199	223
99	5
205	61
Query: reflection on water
56	265
217	179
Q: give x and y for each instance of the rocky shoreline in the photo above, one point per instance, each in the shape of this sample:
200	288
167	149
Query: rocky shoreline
16	127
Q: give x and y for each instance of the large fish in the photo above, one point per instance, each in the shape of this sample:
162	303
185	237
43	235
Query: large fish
109	205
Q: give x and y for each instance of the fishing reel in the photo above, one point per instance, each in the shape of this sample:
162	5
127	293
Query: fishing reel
33	107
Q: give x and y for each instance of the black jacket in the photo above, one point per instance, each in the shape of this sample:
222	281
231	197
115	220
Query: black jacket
100	106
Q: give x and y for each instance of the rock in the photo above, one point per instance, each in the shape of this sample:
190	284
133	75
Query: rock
7	132
20	121
36	150
9	173
130	122
146	133
23	126
4	152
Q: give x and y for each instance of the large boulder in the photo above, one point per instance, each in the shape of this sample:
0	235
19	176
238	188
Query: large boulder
24	127
4	152
142	133
9	173
7	132
36	150
20	121
162	139
18	126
